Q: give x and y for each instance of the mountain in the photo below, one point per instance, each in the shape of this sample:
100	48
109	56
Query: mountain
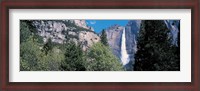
82	23
61	30
132	29
114	36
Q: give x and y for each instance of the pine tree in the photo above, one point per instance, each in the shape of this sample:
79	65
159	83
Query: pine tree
25	32
104	38
155	50
74	58
47	46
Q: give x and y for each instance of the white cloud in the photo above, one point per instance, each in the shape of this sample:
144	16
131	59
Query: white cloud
92	22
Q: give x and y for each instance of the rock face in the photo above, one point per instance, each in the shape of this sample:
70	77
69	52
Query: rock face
50	29
88	39
132	29
174	27
82	23
61	30
114	34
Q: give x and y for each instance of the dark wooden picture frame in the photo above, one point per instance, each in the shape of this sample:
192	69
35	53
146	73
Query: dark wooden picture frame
99	4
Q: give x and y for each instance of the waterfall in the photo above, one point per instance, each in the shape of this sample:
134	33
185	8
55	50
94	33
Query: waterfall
124	56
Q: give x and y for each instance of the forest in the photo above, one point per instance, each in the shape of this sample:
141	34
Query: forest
35	55
155	50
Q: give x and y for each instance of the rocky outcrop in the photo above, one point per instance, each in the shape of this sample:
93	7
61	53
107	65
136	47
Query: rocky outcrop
61	30
50	29
82	23
114	34
88	39
174	27
132	29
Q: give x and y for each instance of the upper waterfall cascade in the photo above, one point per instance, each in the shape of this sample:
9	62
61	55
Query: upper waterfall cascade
124	55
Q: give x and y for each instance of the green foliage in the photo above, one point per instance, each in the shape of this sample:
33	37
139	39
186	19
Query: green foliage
32	58
50	61
74	58
29	51
25	32
155	50
39	38
47	46
32	54
100	58
104	38
37	56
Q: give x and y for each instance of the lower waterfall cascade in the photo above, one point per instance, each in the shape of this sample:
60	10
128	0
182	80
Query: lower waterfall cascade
124	55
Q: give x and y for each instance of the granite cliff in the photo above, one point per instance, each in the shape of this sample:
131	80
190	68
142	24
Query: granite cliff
61	30
114	36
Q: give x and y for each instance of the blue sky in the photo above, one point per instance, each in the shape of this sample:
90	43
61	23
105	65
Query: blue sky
99	25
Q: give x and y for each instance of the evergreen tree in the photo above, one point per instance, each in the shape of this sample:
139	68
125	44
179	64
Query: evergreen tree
47	46
178	39
155	50
104	38
25	32
74	58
